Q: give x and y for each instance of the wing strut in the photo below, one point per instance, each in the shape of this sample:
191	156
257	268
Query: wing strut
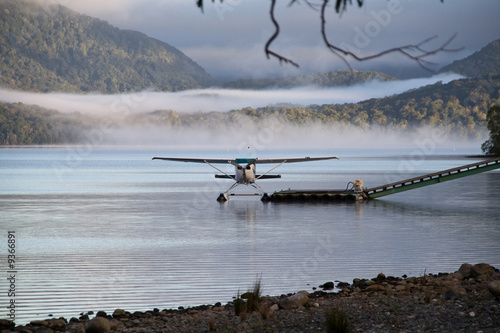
231	177
271	170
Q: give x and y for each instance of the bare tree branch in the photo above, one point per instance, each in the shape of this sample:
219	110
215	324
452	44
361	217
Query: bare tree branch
416	52
267	49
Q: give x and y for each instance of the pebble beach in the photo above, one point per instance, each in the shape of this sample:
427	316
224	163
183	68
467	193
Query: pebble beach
467	300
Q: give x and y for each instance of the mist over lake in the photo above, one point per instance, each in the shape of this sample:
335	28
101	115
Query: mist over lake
215	99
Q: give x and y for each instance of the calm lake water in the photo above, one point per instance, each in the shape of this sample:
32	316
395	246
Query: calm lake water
109	228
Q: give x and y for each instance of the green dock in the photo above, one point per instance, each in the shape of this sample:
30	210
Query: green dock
380	191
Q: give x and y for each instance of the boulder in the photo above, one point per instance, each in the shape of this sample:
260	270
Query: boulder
6	324
118	313
294	301
75	328
494	288
482	269
380	277
57	324
449	295
98	325
43	323
101	314
342	285
400	287
465	270
327	286
375	287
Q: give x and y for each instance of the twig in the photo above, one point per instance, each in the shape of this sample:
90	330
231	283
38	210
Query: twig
267	49
415	52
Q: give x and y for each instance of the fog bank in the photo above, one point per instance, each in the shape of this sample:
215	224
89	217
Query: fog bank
222	100
275	134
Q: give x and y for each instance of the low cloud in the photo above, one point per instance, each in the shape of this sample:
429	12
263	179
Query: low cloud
222	100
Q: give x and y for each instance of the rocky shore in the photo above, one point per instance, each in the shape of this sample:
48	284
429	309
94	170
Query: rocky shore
465	301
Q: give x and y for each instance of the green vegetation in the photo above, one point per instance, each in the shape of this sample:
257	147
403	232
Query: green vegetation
51	48
492	145
337	321
329	79
27	124
249	301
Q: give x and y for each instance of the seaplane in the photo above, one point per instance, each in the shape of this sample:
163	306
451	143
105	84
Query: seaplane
245	170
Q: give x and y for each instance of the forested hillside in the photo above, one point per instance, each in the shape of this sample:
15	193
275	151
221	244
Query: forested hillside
484	61
52	48
29	124
328	79
459	106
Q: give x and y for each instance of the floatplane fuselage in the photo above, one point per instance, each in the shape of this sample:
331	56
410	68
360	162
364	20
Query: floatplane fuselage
245	169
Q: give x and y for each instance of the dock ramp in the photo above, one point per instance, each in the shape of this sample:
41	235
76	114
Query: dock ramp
433	178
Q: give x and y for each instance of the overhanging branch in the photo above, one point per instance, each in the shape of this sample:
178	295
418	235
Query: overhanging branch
415	52
267	49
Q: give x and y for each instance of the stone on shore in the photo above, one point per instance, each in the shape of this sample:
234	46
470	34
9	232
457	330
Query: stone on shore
118	313
327	286
98	325
294	301
6	324
482	269
465	270
494	288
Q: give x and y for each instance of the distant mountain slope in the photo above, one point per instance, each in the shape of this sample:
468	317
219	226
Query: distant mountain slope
484	61
328	79
55	49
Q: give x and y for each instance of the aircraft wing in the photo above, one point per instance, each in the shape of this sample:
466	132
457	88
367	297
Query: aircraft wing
293	159
246	160
196	160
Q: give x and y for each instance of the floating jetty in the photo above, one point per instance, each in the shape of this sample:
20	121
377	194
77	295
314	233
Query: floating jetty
314	196
357	192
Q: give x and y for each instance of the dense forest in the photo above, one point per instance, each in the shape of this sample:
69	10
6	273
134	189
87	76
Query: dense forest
460	106
22	124
51	48
328	79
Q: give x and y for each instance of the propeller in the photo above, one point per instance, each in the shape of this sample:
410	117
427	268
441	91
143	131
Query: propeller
236	165
250	163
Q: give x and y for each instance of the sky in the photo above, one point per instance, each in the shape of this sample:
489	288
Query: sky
228	39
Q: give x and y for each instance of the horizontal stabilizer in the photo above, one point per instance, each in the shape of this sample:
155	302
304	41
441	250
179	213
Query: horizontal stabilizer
225	176
268	176
259	177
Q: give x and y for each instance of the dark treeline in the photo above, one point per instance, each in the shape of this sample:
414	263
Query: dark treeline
22	124
460	106
328	79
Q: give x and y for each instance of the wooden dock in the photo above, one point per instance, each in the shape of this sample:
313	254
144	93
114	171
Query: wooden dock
380	191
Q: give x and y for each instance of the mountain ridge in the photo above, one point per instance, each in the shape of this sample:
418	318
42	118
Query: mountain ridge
52	48
484	61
